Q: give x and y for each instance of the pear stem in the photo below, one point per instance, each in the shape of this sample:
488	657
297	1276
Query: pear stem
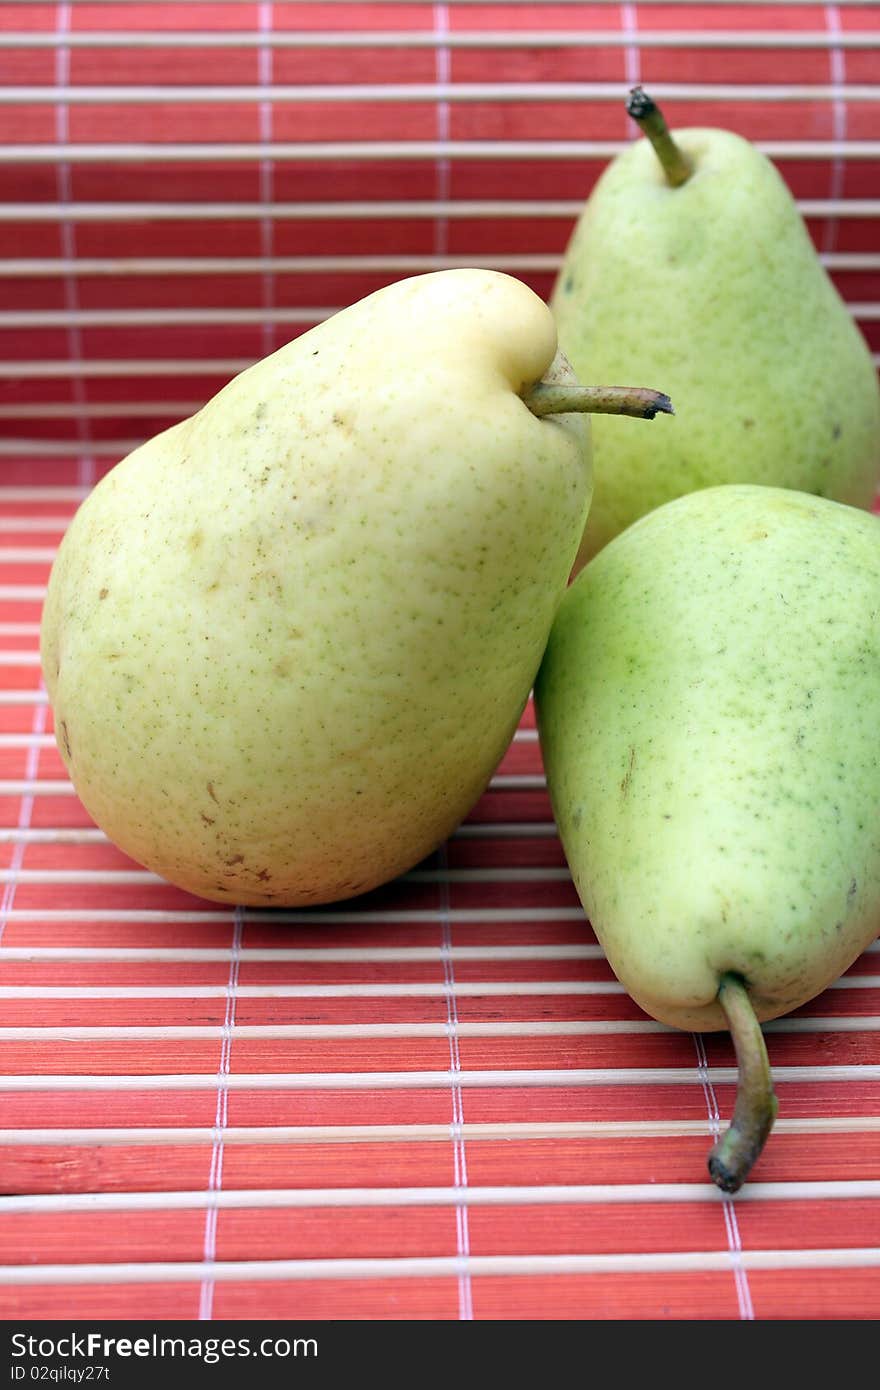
755	1109
546	399
649	118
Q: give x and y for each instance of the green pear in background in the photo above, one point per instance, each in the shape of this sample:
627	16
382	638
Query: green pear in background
288	640
691	262
708	709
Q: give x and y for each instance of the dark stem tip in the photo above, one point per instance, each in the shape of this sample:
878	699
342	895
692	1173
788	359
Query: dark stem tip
661	406
724	1177
639	104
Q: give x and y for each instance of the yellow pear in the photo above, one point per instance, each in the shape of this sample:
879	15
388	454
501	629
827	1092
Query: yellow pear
288	640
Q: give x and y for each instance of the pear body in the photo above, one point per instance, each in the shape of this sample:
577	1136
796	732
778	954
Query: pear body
714	291
288	640
708	708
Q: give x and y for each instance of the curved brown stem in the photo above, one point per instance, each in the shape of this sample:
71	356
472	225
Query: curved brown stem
548	399
649	118
755	1108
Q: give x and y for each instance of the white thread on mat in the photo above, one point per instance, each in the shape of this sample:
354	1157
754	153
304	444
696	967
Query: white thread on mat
459	1157
632	58
26	809
267	174
837	73
215	1176
442	168
731	1225
86	462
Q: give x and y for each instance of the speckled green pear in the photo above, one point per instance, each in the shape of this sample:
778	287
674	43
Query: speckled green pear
708	707
714	287
288	640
